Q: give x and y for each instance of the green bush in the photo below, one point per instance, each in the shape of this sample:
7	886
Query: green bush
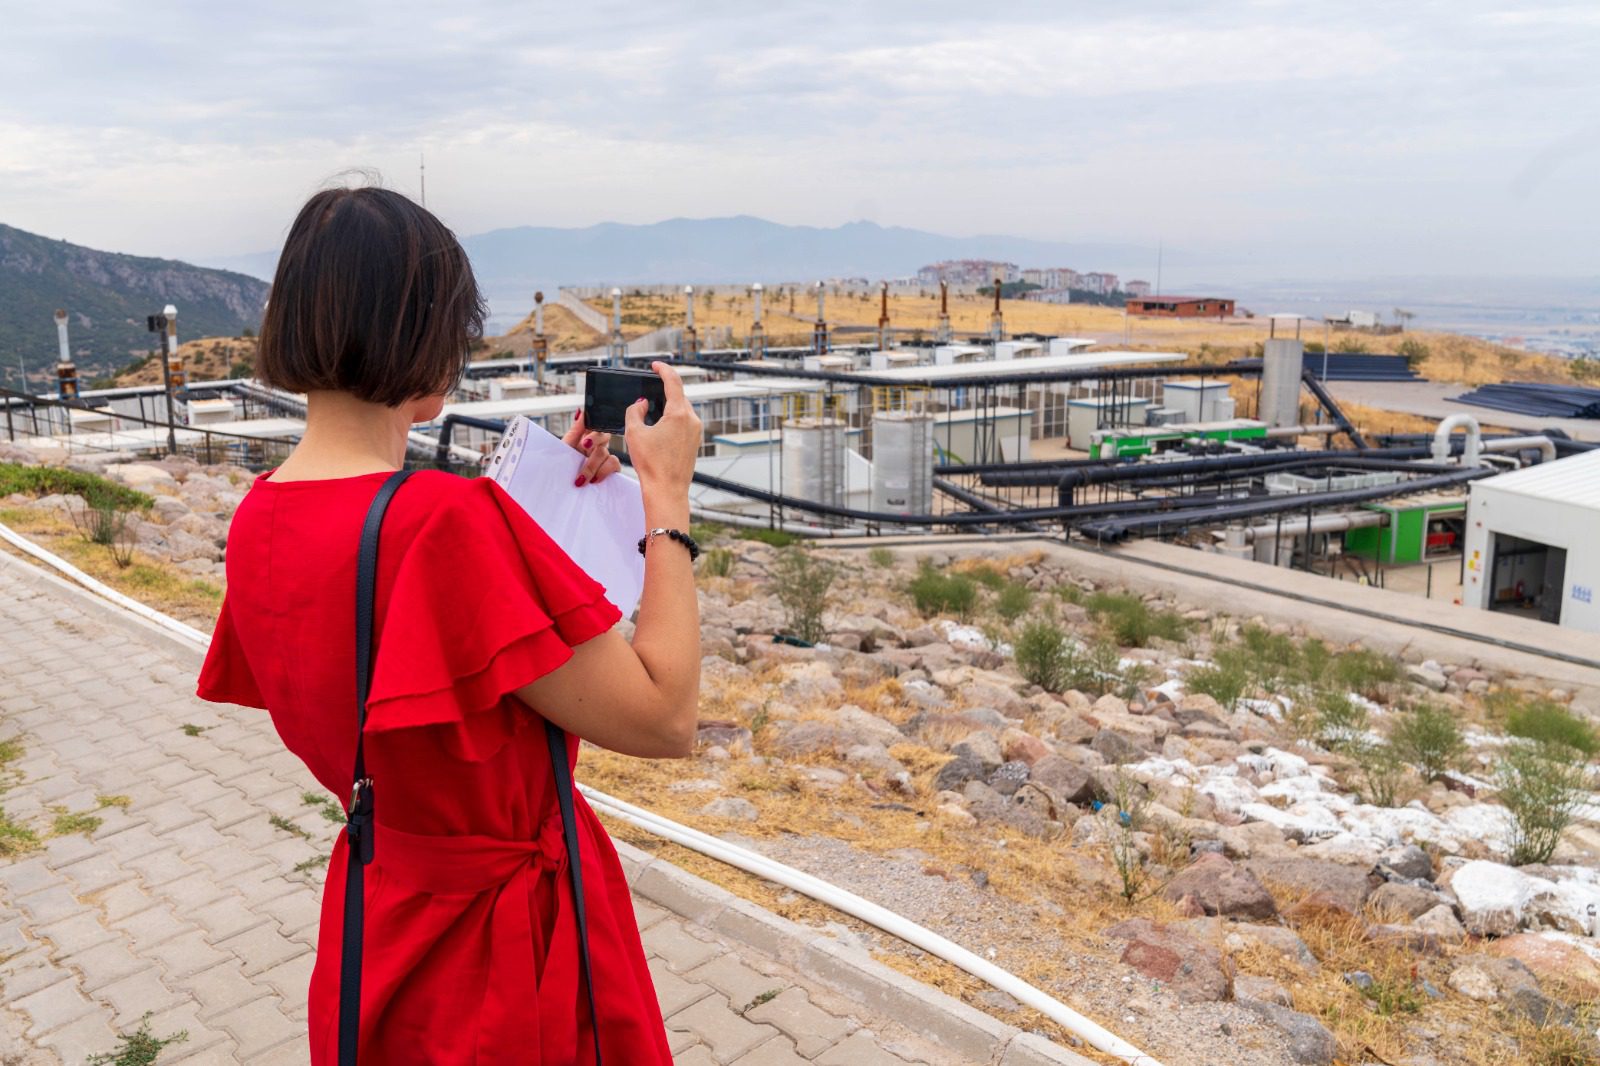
1365	672
936	592
803	580
1542	786
1428	738
1341	722
778	538
1013	601
717	562
706	532
1552	723
1131	621
1381	773
1043	654
1414	350
96	491
1225	680
882	558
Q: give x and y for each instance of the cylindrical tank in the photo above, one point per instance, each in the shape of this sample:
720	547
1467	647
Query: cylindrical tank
902	462
813	460
1281	365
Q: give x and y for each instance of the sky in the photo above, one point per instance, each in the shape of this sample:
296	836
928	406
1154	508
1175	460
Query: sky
1275	138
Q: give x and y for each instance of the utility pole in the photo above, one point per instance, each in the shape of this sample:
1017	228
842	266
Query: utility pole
157	324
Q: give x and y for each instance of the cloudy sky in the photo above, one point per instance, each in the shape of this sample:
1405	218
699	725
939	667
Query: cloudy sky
1311	139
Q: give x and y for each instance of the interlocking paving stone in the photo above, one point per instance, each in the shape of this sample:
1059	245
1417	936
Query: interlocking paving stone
186	903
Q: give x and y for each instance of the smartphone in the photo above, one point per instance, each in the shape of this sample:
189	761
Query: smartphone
608	393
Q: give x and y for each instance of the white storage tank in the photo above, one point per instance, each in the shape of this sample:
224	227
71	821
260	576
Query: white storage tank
210	412
902	462
512	388
1281	366
1089	413
1198	400
813	460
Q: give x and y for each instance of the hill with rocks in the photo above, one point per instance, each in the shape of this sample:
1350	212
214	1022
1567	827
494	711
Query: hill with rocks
107	296
1225	840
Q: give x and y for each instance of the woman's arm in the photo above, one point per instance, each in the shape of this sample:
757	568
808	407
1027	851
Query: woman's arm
642	699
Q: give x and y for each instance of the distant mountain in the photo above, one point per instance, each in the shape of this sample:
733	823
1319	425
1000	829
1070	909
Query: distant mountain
744	249
107	296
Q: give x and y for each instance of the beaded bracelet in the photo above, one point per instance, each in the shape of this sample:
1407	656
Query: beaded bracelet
671	534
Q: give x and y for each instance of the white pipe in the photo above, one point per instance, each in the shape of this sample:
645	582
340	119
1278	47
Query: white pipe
742	858
1327	428
1441	440
1547	448
149	614
1325	523
869	912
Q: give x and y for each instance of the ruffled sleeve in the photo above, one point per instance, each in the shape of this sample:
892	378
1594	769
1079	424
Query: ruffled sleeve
483	602
225	676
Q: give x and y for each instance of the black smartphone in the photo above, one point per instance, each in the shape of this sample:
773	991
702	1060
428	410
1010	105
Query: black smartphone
608	393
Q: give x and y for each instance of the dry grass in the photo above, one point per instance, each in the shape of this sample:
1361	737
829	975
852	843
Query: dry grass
152	581
204	359
562	330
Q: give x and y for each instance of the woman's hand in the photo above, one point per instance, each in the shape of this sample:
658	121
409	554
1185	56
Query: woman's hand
598	461
663	454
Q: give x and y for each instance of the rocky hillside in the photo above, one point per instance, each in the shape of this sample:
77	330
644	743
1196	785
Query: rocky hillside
1225	841
107	296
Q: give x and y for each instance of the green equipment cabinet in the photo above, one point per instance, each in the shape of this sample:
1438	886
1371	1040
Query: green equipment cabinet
1418	530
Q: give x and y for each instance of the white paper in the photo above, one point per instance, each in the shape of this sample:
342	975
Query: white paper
598	525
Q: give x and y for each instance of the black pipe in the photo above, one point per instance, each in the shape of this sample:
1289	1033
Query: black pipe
1114	529
447	430
1330	405
1100	472
976	381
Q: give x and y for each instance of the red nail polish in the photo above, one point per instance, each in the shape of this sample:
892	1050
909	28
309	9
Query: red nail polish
580	481
587	444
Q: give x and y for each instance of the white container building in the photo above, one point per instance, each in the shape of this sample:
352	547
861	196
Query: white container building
1533	543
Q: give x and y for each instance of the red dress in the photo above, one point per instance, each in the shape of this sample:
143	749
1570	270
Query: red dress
471	952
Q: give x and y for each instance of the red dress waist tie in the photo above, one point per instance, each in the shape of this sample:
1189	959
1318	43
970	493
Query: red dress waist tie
470	865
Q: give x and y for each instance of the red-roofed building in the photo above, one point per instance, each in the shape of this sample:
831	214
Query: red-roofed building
1181	306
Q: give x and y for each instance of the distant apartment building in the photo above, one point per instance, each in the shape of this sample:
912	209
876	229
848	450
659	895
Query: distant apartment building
1049	296
1096	282
1034	276
968	272
1181	306
1137	288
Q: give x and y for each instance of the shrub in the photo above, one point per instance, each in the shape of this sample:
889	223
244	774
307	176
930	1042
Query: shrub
706	532
1226	680
1131	621
935	592
1552	723
1542	786
1380	771
1341	722
882	558
778	538
1042	654
1365	672
803	582
1429	739
96	491
1414	350
1124	818
1013	601
718	562
109	525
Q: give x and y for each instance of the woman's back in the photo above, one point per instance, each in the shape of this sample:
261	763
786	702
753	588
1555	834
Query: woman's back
471	953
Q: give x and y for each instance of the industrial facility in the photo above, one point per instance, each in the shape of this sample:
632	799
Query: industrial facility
984	434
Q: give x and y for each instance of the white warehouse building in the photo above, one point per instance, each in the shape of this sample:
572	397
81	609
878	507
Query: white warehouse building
1533	543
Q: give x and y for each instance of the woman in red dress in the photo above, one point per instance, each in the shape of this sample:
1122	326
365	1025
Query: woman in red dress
483	626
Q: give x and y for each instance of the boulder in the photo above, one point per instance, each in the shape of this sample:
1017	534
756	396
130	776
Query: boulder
1401	901
1406	862
981	748
1493	897
1017	745
730	736
1441	922
732	807
956	773
1195	972
1261	989
1251	838
1491	979
1237	937
1553	960
1349	886
1427	674
1063	777
1309	1041
1115	748
808	682
1008	777
1222	888
139	475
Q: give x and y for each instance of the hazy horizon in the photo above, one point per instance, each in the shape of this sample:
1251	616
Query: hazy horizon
1258	139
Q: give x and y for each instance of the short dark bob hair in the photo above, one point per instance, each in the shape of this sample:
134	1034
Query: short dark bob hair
373	296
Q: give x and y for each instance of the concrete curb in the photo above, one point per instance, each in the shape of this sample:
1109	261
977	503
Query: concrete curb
931	1014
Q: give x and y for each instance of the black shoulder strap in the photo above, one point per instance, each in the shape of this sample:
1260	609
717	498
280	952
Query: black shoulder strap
569	829
358	821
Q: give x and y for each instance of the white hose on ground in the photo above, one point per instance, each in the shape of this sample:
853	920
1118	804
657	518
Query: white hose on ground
723	851
872	914
149	614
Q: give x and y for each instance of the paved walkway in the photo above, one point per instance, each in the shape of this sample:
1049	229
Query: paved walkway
195	897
